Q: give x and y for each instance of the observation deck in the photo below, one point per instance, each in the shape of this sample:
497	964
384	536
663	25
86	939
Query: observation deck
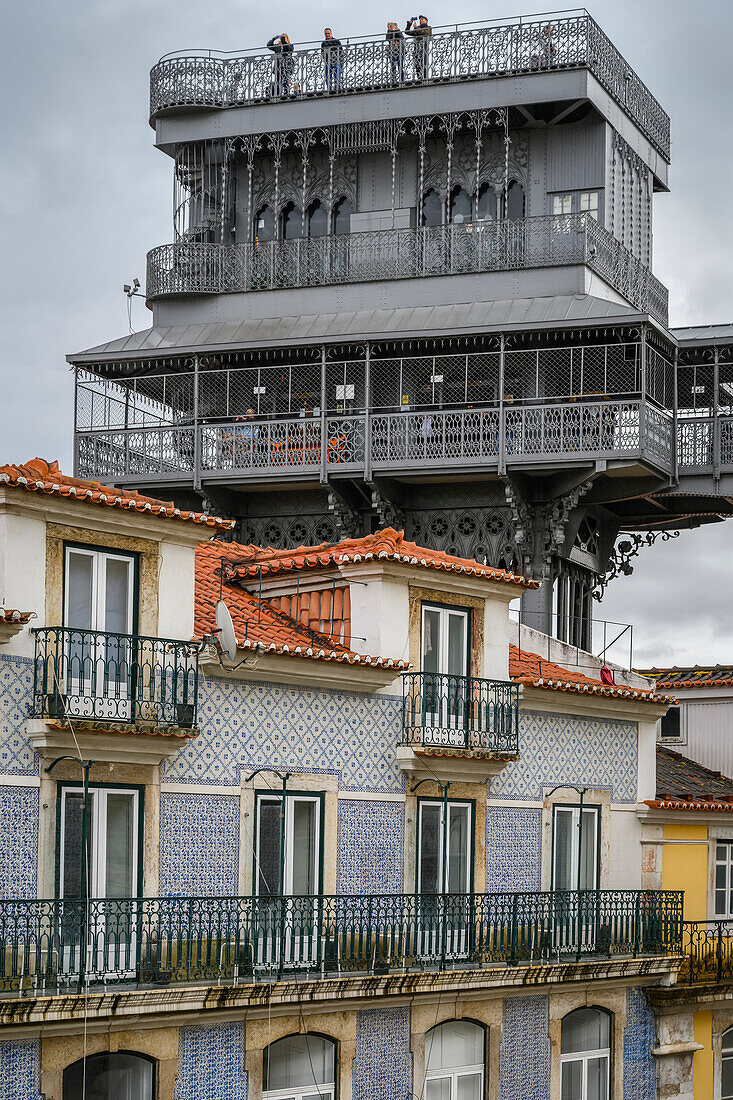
208	79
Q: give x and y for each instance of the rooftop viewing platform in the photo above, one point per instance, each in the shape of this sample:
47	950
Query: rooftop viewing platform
571	40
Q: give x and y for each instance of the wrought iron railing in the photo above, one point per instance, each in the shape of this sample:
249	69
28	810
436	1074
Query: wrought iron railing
211	79
96	674
705	443
188	267
459	712
55	946
443	438
708	949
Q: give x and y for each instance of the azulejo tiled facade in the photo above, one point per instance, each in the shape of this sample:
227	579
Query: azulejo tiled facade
639	1040
565	748
371	837
513	849
16	696
211	1063
20	1070
199	845
382	1062
18	841
524	1062
270	725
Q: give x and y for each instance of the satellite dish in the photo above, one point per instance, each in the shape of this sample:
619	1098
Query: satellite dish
225	630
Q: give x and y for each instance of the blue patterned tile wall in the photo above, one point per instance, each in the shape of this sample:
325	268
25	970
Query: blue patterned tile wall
371	837
16	695
260	725
199	845
20	1070
382	1062
211	1063
562	748
639	1039
524	1059
513	849
18	841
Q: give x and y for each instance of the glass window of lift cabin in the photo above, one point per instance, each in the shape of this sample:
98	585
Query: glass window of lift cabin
291	222
585	1055
432	208
299	1067
460	206
264	226
562	204
342	216
317	219
487	206
590	203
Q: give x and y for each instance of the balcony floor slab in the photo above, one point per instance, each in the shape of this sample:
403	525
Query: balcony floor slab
452	764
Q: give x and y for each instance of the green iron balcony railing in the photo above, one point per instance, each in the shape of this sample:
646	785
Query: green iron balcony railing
57	946
708	949
98	674
443	711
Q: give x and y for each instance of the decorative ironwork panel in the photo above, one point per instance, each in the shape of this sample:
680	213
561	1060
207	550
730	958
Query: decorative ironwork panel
459	712
695	443
262	446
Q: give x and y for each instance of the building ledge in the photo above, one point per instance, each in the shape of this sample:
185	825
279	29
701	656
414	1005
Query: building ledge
108	742
454	764
676	1048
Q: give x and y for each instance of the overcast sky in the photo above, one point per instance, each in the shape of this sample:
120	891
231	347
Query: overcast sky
84	195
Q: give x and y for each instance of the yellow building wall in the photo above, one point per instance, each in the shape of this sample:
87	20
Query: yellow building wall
685	867
702	1060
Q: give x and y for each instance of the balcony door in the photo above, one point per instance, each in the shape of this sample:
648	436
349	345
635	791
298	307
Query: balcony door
113	845
99	591
574	850
287	883
444	877
444	650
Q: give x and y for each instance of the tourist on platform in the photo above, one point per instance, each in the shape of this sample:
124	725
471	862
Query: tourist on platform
419	29
282	48
396	53
333	60
546	51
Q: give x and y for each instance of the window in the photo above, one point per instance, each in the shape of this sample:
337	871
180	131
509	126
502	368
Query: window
487	206
342	216
113	843
590	203
300	863
98	590
569	846
444	649
670	726
291	222
300	1067
726	1069
585	1055
454	1061
576	202
514	201
724	879
317	219
264	227
432	208
118	1076
460	206
562	204
444	849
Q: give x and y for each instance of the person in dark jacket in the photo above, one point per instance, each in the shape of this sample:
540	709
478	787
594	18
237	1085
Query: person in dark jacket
333	60
419	29
396	53
282	48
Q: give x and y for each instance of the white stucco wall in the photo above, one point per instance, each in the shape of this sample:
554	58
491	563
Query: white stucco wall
380	614
624	868
23	573
496	639
175	591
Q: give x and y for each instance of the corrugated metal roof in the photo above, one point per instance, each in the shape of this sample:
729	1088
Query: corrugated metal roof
403	322
702	334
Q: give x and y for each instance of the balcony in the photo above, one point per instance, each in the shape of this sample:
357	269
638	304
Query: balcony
57	947
209	79
458	727
708	950
191	268
705	444
101	677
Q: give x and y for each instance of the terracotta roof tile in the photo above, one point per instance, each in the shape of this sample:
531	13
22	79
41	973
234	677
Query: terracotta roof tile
40	476
387	545
535	671
692	676
260	625
684	784
9	615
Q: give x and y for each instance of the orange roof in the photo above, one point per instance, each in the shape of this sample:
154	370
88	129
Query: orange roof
387	545
260	625
678	804
535	671
39	476
8	615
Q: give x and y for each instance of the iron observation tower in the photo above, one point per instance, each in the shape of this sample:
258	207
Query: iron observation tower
412	286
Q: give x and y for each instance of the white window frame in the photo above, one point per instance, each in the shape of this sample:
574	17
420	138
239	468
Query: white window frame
574	809
442	862
586	1056
99	567
728	864
453	1076
574	197
290	799
681	739
98	848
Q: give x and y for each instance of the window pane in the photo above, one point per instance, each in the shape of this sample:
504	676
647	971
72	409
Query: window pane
437	1088
264	225
431	641
454	1044
460	206
458	854
71	871
727	1078
120	846
561	204
456	645
292	222
728	1039
432	209
720	876
430	849
720	903
589	841
317	220
299	1061
585	1029
515	201
590	202
469	1087
487	203
268	848
79	591
564	826
721	853
598	1079
110	1077
304	847
342	216
116	596
572	1081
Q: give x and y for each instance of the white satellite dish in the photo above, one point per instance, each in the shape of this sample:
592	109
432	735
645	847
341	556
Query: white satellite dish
225	628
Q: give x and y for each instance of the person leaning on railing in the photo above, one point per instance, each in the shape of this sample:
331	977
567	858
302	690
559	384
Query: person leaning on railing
396	52
333	60
282	48
419	29
545	55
